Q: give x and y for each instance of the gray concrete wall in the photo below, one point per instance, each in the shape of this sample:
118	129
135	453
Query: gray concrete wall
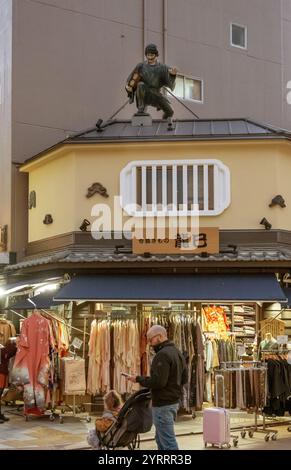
71	59
5	111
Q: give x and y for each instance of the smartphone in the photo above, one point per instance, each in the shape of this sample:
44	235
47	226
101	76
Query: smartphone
125	374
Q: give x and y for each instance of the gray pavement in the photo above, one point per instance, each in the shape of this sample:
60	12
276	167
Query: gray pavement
41	433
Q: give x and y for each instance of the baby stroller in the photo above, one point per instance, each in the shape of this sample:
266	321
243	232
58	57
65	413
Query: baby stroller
134	418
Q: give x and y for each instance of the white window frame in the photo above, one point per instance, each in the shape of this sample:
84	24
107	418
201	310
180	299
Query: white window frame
244	48
222	197
190	78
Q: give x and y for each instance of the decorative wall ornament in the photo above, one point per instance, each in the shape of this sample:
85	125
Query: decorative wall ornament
278	201
3	237
266	223
97	188
84	225
48	219
32	200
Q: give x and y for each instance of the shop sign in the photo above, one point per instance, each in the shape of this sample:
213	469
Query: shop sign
206	239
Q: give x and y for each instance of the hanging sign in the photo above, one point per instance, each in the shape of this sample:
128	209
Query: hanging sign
206	239
77	343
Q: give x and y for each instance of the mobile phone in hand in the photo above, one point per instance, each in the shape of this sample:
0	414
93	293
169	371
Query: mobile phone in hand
125	374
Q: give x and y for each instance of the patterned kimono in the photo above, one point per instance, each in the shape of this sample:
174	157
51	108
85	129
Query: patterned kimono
31	366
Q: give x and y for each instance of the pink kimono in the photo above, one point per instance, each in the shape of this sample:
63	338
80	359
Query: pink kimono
32	362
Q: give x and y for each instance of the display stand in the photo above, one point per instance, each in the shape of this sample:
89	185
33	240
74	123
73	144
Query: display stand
76	410
252	428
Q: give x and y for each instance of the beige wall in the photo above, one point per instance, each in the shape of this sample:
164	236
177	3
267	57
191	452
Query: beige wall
55	185
259	171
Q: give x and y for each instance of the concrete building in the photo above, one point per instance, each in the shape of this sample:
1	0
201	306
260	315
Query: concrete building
63	64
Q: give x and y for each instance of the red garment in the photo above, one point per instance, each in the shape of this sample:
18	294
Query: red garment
31	363
3	381
33	346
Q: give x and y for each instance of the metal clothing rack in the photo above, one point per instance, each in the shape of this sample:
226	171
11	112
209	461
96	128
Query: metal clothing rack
233	366
277	352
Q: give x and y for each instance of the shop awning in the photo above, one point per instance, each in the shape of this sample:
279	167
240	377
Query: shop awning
44	301
287	292
173	287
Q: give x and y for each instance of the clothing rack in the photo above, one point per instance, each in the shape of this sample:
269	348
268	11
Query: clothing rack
233	366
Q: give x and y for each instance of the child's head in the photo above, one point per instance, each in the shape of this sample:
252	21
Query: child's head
112	400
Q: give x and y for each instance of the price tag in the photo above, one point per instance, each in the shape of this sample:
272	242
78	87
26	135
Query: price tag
77	343
282	339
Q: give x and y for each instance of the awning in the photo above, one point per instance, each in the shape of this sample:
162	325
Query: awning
44	301
173	287
287	292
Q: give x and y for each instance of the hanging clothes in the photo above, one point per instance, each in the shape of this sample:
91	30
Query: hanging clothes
7	330
31	365
99	358
279	386
244	388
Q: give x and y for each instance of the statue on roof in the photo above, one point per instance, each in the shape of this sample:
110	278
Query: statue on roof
145	83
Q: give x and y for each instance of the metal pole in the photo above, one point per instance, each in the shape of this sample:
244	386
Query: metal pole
84	336
181	102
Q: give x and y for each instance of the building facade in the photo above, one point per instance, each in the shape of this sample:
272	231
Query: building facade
64	64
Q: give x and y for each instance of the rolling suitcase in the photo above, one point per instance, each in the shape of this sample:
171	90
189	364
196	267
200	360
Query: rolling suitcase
216	423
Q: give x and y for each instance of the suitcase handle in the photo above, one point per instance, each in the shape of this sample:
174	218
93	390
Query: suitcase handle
219	377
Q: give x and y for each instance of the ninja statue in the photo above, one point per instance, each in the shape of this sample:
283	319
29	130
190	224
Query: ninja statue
146	81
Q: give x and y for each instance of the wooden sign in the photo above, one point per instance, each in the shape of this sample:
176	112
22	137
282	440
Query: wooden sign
206	239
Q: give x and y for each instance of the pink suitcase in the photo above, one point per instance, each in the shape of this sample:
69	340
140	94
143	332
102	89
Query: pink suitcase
216	422
216	427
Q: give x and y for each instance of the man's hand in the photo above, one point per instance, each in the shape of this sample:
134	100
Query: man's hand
131	378
173	71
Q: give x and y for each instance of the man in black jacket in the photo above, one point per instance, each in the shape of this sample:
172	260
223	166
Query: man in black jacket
167	377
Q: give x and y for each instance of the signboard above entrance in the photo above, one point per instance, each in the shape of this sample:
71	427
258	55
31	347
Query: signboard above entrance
206	239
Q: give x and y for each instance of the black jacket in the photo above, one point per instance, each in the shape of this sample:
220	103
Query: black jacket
168	375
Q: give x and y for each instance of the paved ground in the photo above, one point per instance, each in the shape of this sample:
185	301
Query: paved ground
41	433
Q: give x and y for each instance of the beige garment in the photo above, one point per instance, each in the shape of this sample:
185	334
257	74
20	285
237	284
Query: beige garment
99	358
215	358
7	330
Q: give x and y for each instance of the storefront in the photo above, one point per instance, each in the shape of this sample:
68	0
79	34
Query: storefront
212	298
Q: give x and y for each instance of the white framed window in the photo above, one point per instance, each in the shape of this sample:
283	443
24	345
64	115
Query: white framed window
238	35
189	88
167	187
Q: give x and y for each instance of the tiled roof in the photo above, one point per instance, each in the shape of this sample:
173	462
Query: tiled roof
109	256
182	129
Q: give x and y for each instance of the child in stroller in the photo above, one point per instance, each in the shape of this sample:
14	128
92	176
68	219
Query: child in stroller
134	418
112	405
